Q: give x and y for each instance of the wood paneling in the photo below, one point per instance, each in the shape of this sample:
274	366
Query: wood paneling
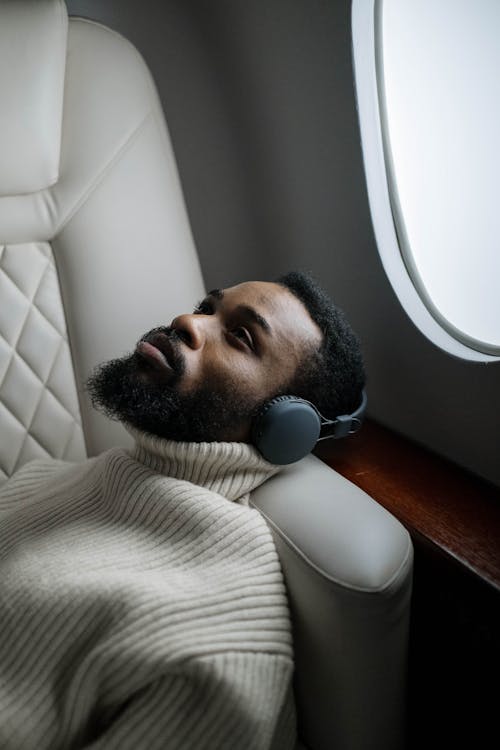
446	506
454	521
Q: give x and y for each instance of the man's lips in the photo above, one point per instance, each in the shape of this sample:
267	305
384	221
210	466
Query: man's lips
160	351
153	355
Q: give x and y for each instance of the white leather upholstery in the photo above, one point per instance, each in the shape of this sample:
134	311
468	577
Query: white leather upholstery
95	249
39	410
33	44
347	564
115	221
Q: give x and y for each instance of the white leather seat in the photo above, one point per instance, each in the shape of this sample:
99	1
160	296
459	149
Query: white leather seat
95	248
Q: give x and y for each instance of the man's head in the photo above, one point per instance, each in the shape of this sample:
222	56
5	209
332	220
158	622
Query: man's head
333	376
206	376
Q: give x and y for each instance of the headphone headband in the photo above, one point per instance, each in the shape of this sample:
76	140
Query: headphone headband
345	424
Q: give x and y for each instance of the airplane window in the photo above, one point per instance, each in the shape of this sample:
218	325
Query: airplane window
427	82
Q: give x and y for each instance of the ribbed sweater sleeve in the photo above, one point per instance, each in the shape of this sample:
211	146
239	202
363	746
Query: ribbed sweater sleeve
229	700
141	609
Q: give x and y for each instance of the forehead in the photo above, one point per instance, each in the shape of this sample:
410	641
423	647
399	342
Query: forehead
287	317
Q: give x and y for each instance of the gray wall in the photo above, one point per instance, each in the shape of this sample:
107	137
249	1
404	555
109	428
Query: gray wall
259	99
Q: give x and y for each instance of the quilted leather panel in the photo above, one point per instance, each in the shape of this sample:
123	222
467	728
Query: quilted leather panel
39	410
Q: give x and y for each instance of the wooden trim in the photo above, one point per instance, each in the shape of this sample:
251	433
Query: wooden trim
454	520
438	502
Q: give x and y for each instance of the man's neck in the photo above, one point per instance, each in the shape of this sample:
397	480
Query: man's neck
230	469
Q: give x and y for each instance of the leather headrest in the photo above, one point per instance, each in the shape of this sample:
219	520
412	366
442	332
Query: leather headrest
33	36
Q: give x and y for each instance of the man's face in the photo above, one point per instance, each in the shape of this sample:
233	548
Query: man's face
206	375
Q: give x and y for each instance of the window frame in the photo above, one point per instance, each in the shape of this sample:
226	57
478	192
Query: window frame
387	219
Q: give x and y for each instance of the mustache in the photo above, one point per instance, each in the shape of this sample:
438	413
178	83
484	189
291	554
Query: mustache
168	341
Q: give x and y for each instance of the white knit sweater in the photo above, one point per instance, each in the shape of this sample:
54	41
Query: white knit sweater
142	604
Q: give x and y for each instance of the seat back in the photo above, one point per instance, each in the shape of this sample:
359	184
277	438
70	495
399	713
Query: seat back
95	249
95	244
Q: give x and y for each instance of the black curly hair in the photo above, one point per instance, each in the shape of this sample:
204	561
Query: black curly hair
333	376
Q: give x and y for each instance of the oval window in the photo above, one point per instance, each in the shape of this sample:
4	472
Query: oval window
427	79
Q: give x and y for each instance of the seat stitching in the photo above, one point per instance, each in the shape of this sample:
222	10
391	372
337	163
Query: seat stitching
43	384
101	175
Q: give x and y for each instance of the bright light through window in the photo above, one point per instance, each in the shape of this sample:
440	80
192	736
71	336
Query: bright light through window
428	81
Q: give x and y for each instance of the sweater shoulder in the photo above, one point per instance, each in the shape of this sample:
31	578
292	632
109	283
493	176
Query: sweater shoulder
33	479
32	474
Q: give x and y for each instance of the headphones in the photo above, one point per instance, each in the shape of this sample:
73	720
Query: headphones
287	428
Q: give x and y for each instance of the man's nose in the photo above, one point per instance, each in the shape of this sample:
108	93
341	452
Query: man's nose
192	329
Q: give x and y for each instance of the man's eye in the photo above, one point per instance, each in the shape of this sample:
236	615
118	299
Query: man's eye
243	334
203	308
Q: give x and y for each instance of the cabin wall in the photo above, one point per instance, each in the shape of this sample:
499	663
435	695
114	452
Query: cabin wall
259	98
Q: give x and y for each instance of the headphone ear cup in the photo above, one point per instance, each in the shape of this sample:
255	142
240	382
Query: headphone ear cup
286	429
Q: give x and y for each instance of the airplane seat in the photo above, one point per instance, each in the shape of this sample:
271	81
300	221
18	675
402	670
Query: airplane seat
95	249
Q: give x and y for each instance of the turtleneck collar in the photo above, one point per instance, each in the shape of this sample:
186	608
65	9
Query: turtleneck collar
230	469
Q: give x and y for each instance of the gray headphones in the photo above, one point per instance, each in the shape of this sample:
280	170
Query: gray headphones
287	428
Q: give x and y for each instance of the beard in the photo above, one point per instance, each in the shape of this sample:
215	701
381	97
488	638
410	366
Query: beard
131	390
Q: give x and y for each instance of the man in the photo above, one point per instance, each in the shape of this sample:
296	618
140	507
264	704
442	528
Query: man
142	599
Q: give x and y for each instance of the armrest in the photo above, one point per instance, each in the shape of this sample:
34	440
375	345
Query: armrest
347	564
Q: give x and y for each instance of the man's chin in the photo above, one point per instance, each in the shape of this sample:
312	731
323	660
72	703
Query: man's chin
128	389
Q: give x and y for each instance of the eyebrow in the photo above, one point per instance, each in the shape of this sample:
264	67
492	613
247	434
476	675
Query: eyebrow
248	312
216	293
